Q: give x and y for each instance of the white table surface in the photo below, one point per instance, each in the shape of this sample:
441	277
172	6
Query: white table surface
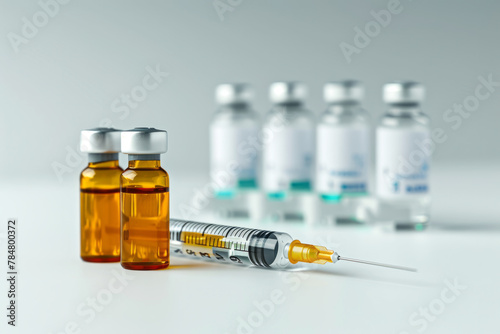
200	297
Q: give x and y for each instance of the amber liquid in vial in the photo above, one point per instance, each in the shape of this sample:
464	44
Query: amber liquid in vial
145	216
100	212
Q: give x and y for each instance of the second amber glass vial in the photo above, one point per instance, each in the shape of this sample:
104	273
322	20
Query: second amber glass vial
144	188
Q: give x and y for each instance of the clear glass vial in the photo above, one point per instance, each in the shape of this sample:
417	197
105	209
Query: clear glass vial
233	131
288	150
234	149
403	157
343	153
100	196
144	201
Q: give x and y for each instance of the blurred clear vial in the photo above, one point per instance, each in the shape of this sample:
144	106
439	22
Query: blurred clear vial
233	131
288	138
403	160
343	149
343	143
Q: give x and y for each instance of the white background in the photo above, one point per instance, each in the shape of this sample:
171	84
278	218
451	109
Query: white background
67	76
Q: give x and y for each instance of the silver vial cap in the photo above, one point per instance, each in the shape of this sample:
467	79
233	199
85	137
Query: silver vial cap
403	92
144	141
100	140
233	93
287	92
346	91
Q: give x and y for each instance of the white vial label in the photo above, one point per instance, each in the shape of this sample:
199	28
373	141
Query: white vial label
232	164
342	159
402	162
288	158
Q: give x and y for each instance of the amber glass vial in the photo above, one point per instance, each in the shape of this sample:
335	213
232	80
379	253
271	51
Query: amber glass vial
145	236
100	196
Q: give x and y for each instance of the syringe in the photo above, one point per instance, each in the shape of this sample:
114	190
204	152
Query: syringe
247	246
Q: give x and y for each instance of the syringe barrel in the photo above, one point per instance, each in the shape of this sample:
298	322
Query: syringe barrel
229	244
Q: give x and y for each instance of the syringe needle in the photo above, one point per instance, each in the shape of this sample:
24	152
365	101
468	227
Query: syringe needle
376	264
299	252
